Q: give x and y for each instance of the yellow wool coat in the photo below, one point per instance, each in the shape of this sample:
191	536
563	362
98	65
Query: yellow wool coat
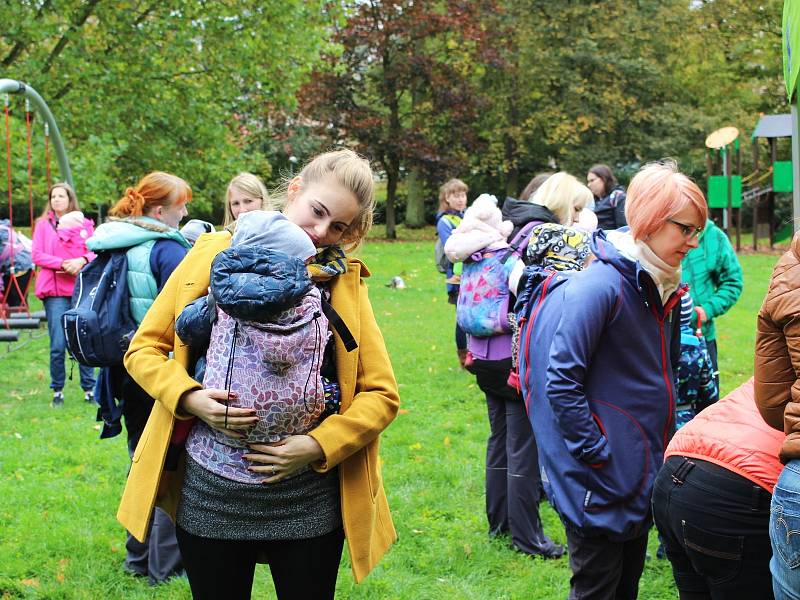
370	401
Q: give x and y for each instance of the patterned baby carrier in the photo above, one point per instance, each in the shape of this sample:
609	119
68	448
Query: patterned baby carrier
272	365
483	298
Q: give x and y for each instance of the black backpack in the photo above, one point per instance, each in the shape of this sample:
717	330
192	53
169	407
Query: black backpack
99	326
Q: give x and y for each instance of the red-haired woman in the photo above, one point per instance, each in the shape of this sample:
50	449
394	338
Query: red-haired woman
144	221
602	407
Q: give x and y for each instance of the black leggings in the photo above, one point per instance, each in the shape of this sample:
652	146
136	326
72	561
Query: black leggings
225	568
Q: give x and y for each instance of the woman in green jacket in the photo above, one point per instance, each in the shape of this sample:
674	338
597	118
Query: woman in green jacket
714	276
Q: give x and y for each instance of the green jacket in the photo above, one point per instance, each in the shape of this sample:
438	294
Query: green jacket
714	275
139	234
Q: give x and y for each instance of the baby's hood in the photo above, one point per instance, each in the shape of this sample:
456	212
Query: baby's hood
273	231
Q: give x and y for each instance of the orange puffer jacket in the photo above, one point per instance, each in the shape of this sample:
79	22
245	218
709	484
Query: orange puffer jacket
777	362
730	434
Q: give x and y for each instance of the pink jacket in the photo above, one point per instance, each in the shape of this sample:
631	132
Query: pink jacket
732	434
49	251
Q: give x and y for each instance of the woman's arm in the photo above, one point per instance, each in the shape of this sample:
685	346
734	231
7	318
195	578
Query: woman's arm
376	399
574	343
38	255
148	357
777	363
727	279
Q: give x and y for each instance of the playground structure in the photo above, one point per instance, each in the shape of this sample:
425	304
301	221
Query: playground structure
15	313
728	192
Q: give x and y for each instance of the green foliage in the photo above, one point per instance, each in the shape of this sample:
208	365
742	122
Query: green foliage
179	85
491	91
62	484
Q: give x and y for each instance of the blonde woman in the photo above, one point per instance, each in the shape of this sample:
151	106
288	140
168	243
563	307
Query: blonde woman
246	192
560	199
564	196
320	488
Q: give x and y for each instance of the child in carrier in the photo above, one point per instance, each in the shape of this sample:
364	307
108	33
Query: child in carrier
73	231
266	342
696	386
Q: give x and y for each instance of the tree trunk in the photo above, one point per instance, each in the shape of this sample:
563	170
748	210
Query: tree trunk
415	202
392	175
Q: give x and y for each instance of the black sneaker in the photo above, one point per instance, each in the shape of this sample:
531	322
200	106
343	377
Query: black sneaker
58	398
88	396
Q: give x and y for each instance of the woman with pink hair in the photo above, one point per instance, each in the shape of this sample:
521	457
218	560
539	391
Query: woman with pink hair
599	387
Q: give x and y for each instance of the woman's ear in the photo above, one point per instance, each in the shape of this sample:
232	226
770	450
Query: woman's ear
294	188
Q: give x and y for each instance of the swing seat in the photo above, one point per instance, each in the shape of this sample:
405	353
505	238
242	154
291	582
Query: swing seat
20	323
8	335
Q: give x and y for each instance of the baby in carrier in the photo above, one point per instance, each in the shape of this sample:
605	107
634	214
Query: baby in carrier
266	334
73	231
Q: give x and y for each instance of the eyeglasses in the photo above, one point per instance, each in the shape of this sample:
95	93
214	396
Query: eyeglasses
688	231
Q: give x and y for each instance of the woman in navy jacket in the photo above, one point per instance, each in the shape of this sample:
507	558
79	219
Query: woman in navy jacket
598	380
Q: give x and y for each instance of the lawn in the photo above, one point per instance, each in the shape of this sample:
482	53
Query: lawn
61	483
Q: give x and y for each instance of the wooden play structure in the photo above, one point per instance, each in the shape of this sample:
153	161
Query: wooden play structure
728	191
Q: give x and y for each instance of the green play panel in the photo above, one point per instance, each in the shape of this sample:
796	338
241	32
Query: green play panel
718	191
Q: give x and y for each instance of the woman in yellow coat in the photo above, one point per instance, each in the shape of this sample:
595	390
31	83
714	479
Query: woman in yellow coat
298	518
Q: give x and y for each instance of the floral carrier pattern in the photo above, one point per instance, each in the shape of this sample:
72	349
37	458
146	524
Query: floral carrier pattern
273	367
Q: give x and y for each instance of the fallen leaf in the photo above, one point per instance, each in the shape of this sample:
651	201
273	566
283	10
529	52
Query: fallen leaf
32	582
447	440
416	446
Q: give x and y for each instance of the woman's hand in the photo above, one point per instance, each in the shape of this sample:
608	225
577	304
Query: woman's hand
281	459
207	404
73	265
701	312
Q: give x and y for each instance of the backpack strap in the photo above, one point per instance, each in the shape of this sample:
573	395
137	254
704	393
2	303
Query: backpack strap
339	325
520	239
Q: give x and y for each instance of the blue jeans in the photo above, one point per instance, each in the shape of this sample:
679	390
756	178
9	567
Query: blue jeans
54	308
784	533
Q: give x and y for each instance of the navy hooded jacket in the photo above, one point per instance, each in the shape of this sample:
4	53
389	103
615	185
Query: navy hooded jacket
597	353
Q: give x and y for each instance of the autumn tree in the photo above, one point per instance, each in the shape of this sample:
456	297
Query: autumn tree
400	89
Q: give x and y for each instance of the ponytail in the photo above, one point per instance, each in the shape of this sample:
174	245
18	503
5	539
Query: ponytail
130	205
155	189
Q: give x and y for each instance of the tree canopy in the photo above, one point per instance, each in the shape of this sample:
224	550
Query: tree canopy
491	91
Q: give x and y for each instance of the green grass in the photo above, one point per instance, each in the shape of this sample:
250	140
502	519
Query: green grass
61	484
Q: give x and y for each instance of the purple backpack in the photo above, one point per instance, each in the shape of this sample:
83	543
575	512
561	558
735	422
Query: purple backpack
483	297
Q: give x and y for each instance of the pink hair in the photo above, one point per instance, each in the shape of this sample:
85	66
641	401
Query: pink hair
658	192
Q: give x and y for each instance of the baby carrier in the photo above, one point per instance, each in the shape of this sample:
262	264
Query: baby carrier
266	348
483	298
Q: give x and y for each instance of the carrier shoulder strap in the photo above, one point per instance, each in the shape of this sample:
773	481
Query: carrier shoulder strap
339	325
522	236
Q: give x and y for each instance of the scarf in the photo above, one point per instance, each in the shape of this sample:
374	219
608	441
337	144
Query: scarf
329	262
666	277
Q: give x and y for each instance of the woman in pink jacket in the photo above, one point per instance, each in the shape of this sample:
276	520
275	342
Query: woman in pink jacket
59	253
